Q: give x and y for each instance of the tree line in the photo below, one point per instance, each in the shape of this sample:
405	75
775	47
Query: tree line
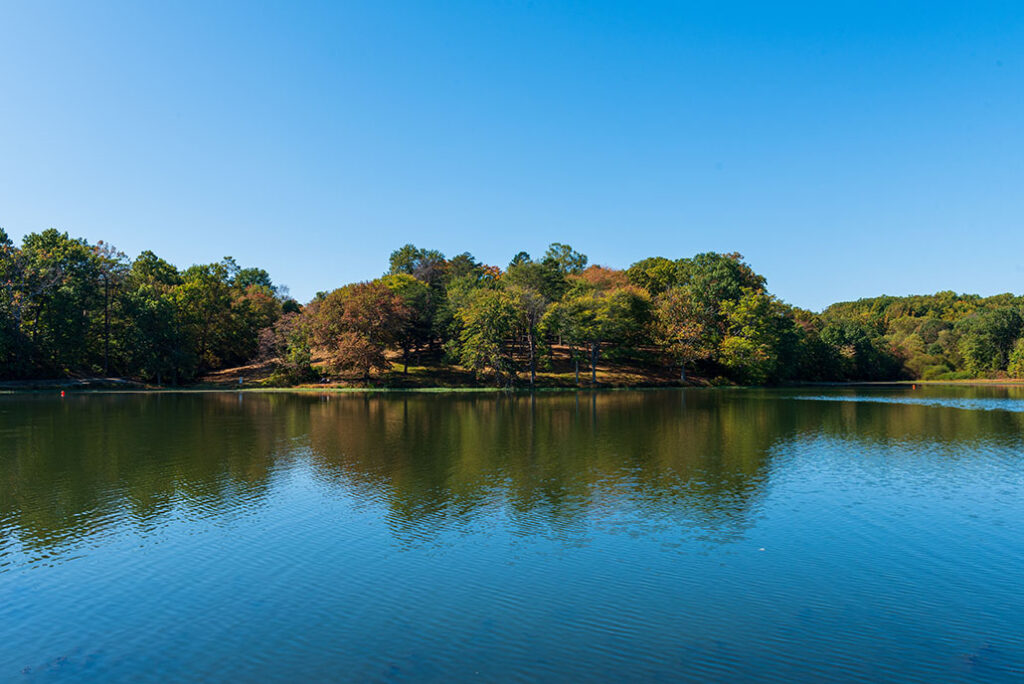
68	306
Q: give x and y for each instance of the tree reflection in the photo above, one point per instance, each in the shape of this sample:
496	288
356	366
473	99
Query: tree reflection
547	464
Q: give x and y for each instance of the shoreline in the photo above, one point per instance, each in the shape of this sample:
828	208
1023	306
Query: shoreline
42	387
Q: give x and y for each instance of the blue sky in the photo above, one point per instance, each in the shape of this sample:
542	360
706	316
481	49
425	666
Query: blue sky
847	149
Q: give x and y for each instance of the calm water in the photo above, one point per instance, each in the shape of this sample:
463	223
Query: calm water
727	535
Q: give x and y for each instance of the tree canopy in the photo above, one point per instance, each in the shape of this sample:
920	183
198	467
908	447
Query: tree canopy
68	306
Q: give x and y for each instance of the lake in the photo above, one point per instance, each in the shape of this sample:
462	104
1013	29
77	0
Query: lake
730	535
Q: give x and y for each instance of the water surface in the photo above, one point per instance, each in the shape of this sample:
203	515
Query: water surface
665	535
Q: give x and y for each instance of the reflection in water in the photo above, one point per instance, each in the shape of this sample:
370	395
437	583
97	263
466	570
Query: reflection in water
621	529
96	460
548	462
72	467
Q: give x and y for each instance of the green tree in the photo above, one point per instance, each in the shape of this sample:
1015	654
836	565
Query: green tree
589	319
61	279
545	277
112	267
1015	365
654	274
988	337
462	266
565	258
203	300
717	278
488	321
427	265
421	305
14	348
761	338
861	352
530	305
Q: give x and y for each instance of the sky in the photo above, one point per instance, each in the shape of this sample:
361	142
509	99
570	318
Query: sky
846	149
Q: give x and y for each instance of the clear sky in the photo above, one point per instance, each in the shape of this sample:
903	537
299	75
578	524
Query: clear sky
847	149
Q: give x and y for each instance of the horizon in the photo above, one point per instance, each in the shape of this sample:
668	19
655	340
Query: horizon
846	151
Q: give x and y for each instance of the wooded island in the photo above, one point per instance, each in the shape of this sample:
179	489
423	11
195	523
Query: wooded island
69	307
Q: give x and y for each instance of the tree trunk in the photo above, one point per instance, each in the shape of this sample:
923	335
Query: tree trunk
35	324
106	327
682	373
577	371
533	360
593	362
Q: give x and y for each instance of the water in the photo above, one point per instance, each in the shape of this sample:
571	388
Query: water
670	535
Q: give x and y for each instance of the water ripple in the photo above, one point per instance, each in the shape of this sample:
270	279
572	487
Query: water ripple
965	403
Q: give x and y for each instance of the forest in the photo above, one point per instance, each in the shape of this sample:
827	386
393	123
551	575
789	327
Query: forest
72	308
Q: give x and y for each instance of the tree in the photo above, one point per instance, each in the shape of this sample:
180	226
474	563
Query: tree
155	345
654	274
716	278
567	260
287	344
13	346
427	265
357	323
602	278
530	306
520	258
462	266
861	351
544	277
203	300
153	337
447	322
417	298
252	277
760	343
488	320
60	278
1015	366
988	337
588	319
680	330
112	267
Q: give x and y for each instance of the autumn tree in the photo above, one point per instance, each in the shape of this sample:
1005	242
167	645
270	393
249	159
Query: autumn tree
356	324
287	344
680	330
